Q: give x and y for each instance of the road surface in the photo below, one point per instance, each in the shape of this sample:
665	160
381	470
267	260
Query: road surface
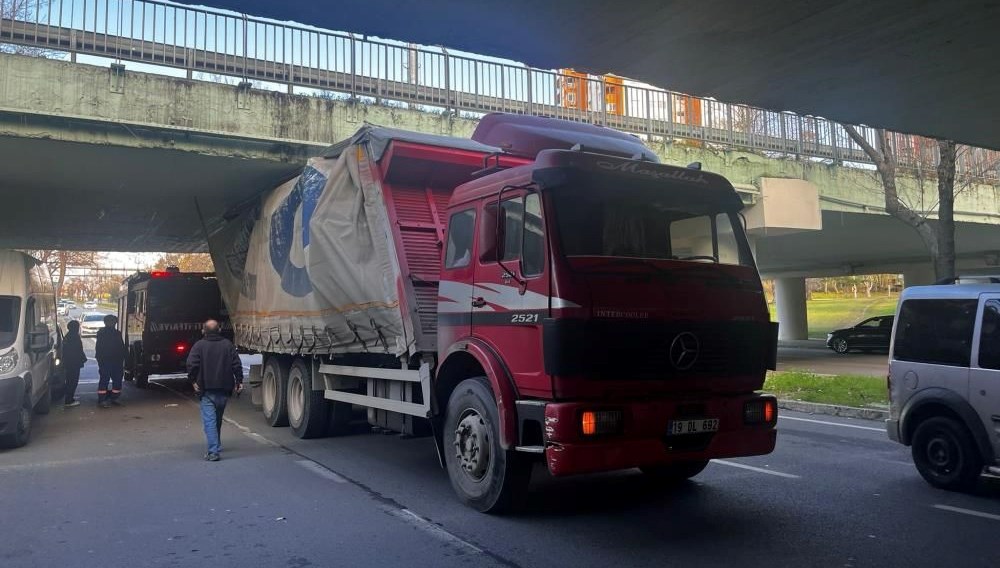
824	361
128	487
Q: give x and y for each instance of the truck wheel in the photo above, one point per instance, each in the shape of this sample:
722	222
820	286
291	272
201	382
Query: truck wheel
945	455
22	432
674	472
308	411
141	379
274	388
485	476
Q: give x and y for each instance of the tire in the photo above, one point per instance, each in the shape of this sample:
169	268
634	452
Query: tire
674	472
308	411
44	404
141	379
274	388
22	431
500	484
841	346
945	455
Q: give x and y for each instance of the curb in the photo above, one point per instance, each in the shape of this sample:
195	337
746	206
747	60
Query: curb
834	410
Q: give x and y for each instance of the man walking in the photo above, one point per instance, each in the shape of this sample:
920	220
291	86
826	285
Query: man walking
73	359
216	371
110	357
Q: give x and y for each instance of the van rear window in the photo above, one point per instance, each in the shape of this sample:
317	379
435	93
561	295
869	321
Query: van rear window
935	331
10	313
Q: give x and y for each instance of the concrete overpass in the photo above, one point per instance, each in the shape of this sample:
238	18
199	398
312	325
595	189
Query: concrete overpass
119	160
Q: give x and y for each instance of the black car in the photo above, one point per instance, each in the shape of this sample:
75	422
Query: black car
871	334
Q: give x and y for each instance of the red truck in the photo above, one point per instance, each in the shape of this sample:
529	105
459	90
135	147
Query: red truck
545	291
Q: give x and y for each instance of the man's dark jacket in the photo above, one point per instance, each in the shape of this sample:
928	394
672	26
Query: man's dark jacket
110	350
72	351
214	364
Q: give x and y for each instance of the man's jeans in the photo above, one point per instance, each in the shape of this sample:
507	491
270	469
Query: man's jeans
213	404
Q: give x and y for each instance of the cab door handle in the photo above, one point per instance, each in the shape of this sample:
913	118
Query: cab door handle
478	302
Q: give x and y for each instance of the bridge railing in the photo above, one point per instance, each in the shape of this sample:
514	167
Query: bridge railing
225	43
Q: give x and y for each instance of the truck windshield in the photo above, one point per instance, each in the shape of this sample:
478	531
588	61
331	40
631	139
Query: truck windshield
616	222
10	315
184	300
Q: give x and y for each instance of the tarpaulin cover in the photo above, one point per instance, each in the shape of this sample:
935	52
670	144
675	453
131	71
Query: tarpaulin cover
312	269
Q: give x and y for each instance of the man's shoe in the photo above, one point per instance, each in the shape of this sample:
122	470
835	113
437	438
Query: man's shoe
212	457
72	404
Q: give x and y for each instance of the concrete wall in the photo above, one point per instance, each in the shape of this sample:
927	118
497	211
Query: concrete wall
70	89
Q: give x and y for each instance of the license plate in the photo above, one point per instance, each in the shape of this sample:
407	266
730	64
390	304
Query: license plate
679	427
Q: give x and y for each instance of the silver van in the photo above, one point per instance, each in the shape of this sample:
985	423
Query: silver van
944	381
29	333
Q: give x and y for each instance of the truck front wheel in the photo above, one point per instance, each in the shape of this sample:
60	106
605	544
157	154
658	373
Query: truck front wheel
485	476
674	472
274	390
308	411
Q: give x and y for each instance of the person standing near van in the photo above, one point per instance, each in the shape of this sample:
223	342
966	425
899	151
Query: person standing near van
73	359
216	372
110	362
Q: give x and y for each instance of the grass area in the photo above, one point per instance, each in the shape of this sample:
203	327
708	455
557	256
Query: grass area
828	312
845	390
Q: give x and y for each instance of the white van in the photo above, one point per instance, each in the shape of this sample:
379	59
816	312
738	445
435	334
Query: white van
29	334
944	381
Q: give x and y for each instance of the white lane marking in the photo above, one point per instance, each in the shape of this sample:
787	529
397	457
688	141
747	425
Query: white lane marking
411	518
321	471
757	469
969	512
832	423
82	461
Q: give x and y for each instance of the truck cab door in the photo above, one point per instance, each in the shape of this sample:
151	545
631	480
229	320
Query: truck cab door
511	290
455	290
984	377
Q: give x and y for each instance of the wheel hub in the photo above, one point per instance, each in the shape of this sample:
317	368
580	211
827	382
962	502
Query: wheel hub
472	445
939	454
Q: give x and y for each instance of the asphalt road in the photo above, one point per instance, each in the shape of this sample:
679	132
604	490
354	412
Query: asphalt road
127	487
824	361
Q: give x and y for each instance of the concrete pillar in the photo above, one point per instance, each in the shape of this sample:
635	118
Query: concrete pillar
790	298
919	275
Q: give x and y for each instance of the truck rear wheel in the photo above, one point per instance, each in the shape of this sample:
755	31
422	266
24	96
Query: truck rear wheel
674	472
274	388
308	411
485	476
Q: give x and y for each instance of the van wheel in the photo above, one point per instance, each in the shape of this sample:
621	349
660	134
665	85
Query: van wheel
274	389
484	475
674	472
945	455
22	432
308	411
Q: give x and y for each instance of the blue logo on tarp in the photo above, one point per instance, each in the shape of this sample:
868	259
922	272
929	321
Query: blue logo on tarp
295	279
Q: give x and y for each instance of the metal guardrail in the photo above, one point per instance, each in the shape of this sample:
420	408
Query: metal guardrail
200	40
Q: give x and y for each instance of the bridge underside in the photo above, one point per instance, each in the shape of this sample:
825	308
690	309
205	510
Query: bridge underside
69	195
856	61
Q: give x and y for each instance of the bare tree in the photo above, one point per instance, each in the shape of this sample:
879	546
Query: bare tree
939	239
187	262
59	261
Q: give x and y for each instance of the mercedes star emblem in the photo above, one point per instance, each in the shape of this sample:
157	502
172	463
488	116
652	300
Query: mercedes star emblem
684	351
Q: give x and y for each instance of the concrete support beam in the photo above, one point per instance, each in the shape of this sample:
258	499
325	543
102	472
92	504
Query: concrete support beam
790	296
921	275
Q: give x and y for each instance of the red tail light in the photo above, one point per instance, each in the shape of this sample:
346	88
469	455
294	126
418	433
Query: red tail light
180	348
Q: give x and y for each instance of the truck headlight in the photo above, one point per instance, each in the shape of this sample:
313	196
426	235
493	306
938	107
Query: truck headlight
8	361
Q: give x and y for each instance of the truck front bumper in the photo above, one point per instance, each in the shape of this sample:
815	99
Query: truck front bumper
643	438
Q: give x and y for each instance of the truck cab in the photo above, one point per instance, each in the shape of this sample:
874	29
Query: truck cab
161	314
29	336
621	302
